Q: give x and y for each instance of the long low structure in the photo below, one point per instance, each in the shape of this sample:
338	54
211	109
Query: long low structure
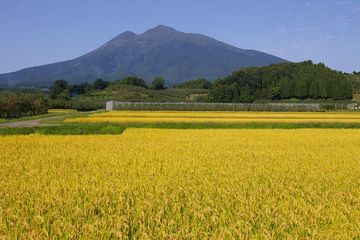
198	106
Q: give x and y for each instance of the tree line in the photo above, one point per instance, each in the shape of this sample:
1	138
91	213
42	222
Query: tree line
16	104
195	84
304	80
61	89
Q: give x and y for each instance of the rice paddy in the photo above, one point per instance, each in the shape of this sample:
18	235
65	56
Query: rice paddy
182	184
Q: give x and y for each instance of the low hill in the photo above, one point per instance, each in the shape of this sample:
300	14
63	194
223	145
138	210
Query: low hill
123	92
355	80
161	51
303	80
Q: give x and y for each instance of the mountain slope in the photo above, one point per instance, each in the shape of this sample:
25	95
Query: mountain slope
161	51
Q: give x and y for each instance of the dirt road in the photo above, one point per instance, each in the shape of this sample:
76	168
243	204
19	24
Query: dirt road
32	123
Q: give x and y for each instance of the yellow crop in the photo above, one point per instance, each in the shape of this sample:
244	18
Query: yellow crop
182	184
221	117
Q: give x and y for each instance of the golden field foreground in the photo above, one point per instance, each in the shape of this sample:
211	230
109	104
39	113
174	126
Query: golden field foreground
217	117
182	184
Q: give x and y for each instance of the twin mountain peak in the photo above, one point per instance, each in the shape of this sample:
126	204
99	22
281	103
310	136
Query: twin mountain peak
161	51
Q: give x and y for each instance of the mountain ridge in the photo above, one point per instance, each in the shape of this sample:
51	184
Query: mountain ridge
159	51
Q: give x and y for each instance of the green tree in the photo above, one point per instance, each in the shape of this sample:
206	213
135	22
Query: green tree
195	84
158	84
285	88
283	81
314	90
81	88
223	93
323	89
57	88
100	84
300	88
65	95
245	95
275	92
133	81
16	104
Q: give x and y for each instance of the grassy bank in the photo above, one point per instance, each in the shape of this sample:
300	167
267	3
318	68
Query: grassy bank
67	129
34	117
88	129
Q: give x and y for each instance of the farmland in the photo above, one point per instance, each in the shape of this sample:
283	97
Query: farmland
177	184
217	117
182	175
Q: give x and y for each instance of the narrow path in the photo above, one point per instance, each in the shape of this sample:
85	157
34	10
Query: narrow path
33	122
38	122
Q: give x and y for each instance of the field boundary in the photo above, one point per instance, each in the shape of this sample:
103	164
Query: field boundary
201	106
119	128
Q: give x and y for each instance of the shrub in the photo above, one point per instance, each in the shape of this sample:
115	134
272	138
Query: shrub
79	105
22	104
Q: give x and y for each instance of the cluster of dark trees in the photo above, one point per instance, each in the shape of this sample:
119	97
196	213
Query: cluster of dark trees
61	92
156	84
282	81
195	84
356	73
61	89
15	104
79	105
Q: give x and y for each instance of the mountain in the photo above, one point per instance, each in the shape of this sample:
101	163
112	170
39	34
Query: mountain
160	51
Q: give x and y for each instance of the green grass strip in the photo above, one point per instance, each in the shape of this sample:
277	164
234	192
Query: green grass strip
16	131
98	128
81	129
243	125
74	129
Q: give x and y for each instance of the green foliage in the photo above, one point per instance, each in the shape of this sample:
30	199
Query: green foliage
245	95
100	84
58	87
22	104
123	92
80	105
65	95
355	81
158	84
60	94
61	89
223	93
80	88
282	81
195	84
132	80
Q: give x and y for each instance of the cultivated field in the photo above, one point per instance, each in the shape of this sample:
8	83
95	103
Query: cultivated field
217	117
182	184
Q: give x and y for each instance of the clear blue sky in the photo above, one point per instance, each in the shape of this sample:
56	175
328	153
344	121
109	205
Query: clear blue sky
35	32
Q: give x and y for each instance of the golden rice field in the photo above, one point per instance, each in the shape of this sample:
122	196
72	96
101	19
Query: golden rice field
217	117
182	184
